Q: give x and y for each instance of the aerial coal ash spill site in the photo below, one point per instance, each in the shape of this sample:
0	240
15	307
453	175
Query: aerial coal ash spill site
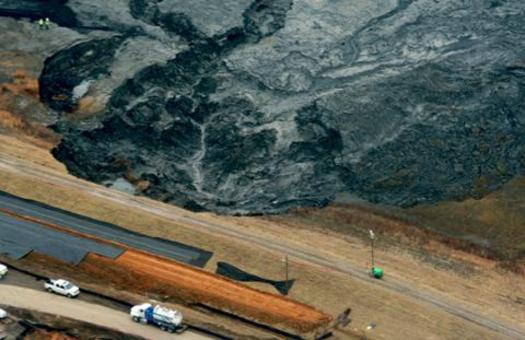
261	106
263	168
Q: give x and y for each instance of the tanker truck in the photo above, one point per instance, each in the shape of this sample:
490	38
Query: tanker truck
166	319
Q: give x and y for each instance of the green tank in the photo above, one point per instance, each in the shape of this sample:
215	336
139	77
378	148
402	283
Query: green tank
377	272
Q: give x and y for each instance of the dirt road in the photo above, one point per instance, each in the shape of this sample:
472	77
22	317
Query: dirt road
83	311
136	203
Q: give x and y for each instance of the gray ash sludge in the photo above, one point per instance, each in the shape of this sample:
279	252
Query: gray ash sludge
272	104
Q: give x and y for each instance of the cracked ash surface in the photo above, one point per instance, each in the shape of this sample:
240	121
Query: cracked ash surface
242	106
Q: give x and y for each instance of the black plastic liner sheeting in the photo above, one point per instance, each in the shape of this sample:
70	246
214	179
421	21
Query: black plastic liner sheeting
174	250
232	272
13	250
18	238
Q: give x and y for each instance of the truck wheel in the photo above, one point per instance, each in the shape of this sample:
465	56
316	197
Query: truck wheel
136	319
163	328
171	330
69	296
49	290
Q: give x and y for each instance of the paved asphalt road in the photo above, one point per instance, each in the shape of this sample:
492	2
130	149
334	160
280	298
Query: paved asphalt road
174	250
22	168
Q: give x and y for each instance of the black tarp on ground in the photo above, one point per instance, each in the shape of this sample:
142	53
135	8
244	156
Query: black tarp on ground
171	249
18	237
232	272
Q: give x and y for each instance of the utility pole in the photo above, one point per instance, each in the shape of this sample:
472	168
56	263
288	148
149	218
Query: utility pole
372	241
285	262
374	271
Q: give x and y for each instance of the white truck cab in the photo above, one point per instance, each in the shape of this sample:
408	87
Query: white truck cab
62	287
166	319
3	314
3	270
138	312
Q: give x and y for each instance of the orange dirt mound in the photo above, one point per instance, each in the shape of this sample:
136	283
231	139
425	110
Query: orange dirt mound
193	285
224	292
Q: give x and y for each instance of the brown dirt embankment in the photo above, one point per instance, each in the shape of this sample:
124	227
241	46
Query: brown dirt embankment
218	291
19	107
139	272
22	84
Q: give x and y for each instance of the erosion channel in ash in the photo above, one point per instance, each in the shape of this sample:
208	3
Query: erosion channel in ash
256	106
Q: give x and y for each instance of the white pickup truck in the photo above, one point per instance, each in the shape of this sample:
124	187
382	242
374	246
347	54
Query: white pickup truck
62	287
3	270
